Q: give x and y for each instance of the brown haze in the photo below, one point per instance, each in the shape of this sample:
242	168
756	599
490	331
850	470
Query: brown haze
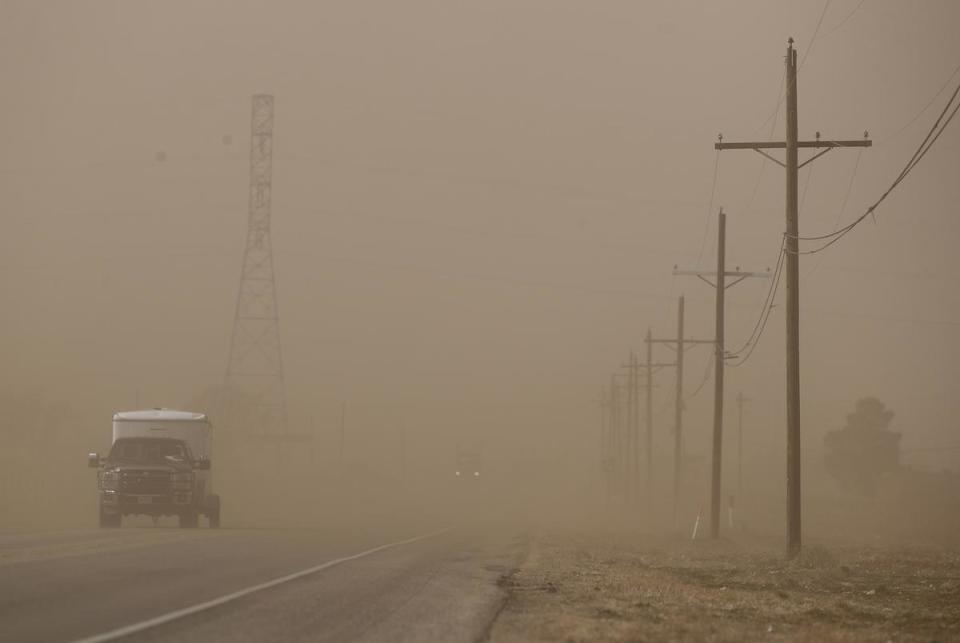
476	211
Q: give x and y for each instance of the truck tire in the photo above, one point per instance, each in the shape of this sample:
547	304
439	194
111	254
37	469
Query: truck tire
109	521
213	511
189	520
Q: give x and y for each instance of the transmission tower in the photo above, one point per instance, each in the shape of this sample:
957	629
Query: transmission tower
255	400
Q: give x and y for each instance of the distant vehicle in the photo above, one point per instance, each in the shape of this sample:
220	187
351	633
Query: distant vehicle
158	465
469	464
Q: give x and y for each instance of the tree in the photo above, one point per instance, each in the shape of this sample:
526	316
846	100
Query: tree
864	449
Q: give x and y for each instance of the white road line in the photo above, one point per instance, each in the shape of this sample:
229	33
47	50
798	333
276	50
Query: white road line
200	607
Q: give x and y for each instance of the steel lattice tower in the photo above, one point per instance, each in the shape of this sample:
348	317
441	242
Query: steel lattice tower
255	394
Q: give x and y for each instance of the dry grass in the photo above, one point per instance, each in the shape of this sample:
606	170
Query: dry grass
630	587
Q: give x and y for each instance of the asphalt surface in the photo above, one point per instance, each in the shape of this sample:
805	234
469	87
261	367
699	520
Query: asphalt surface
369	583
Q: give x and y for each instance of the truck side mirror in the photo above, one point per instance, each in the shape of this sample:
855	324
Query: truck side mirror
93	460
203	464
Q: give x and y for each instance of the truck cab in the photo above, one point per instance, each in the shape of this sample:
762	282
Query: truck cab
158	465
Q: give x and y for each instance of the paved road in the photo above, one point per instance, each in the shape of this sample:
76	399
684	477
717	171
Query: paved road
336	584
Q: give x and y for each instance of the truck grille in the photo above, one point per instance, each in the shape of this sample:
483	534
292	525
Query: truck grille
145	482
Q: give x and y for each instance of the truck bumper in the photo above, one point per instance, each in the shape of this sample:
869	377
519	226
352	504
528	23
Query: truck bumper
115	502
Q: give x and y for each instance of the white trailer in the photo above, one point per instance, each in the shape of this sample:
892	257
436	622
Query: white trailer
193	428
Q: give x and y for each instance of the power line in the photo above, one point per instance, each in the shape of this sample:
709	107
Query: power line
846	197
768	300
806	184
761	324
813	39
703	382
844	21
843	205
776	108
925	107
773	127
783	94
935	132
713	191
948	447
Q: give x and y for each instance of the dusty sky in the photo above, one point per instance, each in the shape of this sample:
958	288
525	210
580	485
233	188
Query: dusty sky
477	206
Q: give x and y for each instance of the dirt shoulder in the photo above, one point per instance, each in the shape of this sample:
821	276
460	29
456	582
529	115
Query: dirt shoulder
634	587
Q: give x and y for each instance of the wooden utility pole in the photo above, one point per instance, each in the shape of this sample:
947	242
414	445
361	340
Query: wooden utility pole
718	380
633	432
740	400
616	432
605	462
680	344
719	354
791	146
628	438
343	429
403	453
678	416
649	437
650	367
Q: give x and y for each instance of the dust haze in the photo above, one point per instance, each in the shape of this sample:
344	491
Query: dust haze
476	213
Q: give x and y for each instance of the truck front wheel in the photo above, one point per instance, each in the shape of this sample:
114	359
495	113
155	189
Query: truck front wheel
109	520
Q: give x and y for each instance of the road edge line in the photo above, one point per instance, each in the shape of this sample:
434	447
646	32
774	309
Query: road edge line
169	617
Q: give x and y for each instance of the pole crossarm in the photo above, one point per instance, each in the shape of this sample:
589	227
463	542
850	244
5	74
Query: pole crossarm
685	341
727	273
774	159
781	145
812	158
759	146
639	365
739	275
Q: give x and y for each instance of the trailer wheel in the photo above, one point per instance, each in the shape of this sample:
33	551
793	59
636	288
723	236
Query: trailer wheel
213	512
189	520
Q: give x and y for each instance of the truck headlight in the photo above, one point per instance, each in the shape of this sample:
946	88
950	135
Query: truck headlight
182	481
109	481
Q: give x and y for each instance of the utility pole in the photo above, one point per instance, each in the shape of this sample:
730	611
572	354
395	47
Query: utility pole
650	368
604	447
649	437
626	424
634	366
635	427
719	355
403	453
740	400
678	415
616	434
680	344
631	470
791	146
718	380
343	431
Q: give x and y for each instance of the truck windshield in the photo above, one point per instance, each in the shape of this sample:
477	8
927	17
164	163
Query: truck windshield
148	451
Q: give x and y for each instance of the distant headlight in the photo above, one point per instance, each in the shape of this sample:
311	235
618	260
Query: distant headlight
458	473
109	481
476	473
